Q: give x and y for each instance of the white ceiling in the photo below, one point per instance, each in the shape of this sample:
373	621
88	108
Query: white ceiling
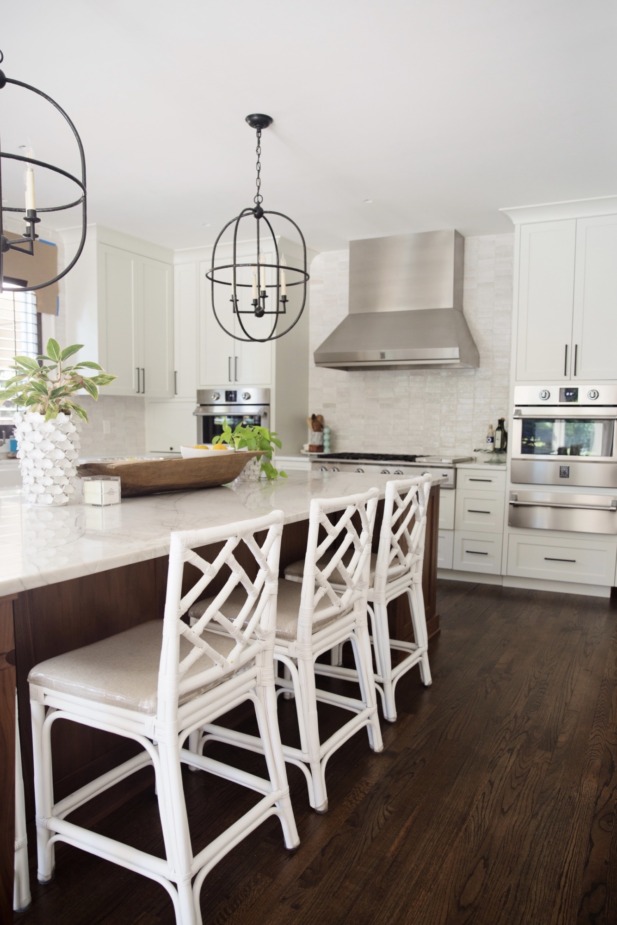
390	116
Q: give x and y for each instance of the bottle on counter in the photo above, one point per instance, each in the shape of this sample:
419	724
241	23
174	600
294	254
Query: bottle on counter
501	436
490	439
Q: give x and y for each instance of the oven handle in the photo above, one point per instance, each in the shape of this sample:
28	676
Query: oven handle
565	411
514	502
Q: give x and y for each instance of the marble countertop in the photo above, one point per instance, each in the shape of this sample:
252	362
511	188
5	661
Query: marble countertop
41	545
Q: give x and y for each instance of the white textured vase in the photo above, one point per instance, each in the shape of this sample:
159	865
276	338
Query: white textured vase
47	453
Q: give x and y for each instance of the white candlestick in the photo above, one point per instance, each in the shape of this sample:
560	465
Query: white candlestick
30	201
254	289
283	280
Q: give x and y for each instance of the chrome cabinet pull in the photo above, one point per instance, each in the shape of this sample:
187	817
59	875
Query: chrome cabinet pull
565	361
175	381
235	369
472	479
229	369
475	511
556	559
575	358
143	380
475	552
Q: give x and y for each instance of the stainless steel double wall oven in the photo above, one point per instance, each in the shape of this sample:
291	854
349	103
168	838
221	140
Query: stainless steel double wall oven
563	443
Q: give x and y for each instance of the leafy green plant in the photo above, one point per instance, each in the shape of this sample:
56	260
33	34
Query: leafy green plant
46	384
253	437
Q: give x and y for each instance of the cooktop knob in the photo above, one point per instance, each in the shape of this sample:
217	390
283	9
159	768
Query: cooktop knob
216	396
593	394
545	394
246	396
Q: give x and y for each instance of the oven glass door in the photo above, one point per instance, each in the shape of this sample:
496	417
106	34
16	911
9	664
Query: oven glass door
563	434
210	425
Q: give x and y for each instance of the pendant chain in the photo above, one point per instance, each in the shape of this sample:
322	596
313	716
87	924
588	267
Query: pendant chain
258	197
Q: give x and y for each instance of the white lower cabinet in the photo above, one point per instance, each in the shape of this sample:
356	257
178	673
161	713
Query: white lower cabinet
445	533
445	548
478	522
562	557
477	552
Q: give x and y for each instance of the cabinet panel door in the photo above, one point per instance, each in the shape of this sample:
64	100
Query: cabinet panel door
545	301
118	320
254	362
186	341
225	360
158	338
595	298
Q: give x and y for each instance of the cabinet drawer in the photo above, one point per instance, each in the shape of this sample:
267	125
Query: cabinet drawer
477	552
536	555
480	480
445	548
481	511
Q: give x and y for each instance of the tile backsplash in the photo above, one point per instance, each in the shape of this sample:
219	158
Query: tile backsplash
420	411
116	426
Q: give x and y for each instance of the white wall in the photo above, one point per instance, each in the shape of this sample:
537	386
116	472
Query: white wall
421	411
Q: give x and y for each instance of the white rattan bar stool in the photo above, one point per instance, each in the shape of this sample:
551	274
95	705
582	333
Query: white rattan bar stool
314	617
159	682
21	875
396	569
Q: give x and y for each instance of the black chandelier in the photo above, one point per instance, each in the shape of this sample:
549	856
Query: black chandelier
14	244
264	303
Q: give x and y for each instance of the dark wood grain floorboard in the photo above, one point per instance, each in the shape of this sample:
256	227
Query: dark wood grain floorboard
493	802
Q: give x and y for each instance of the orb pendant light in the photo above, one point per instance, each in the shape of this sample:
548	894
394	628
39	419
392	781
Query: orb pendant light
31	207
259	288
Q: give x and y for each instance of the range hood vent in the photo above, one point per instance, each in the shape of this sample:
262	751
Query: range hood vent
405	306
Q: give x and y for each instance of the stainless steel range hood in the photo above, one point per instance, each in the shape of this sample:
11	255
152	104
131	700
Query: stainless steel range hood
405	306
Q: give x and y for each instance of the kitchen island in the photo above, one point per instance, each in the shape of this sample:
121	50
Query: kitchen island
72	575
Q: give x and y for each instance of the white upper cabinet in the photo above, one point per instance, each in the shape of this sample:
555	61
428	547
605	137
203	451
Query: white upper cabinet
136	323
223	359
594	326
118	302
546	296
566	317
186	340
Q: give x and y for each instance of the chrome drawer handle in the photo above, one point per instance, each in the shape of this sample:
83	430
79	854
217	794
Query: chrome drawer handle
474	511
475	552
556	559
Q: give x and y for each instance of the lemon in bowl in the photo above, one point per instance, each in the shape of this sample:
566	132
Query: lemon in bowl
204	449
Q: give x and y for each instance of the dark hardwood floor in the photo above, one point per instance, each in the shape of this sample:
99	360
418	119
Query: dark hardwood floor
493	803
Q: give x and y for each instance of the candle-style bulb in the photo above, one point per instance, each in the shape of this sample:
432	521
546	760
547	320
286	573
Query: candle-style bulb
30	198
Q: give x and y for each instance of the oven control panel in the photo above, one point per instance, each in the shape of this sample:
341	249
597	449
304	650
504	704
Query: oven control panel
580	395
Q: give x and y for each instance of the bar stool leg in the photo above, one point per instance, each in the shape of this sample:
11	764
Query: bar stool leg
21	879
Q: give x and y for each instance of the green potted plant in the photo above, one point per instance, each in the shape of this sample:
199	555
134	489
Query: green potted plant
43	390
254	437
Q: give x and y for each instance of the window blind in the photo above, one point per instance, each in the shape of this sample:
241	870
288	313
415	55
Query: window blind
19	333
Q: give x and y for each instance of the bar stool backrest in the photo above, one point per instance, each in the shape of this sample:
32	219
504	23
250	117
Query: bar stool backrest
246	563
401	540
336	567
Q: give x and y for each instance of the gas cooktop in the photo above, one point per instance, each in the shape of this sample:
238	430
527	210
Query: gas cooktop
398	457
368	457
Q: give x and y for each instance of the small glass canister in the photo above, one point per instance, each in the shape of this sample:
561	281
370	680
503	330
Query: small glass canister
101	489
